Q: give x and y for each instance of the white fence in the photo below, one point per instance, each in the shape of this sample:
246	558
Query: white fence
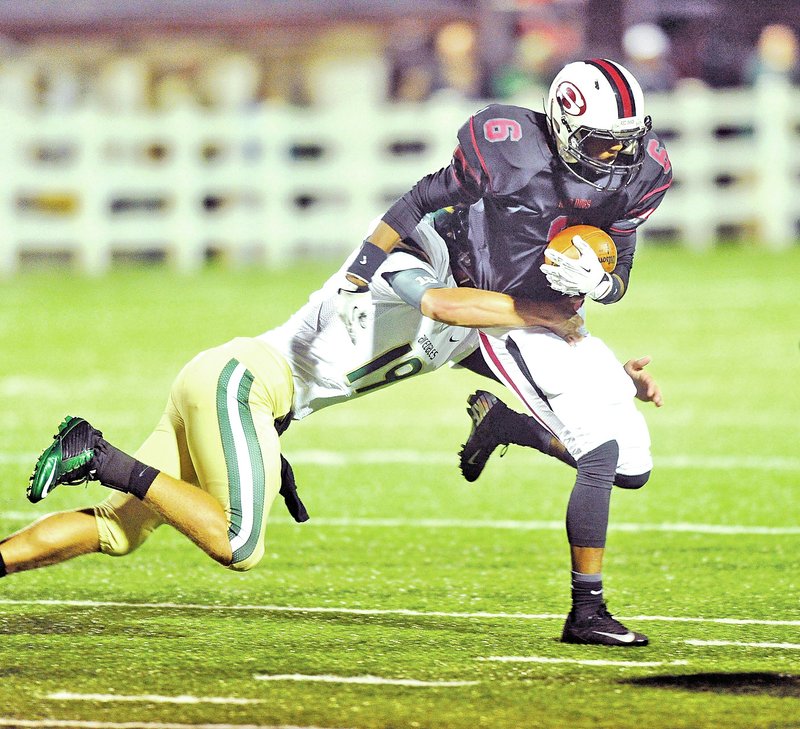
273	183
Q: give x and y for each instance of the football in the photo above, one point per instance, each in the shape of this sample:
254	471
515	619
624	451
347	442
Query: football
600	241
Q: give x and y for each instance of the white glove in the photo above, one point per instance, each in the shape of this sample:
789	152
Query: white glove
354	307
577	277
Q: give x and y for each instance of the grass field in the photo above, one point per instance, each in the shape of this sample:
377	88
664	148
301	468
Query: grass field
453	594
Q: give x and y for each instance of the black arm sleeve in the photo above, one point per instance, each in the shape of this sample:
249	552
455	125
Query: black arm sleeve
452	185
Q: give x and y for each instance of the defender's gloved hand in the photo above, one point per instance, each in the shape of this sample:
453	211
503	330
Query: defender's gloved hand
354	307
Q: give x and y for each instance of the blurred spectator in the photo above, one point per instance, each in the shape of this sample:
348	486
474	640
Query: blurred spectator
18	81
123	85
722	60
776	55
61	87
230	82
176	87
531	67
346	63
412	62
647	52
457	59
422	63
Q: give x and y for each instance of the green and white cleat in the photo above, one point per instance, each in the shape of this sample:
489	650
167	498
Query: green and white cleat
68	460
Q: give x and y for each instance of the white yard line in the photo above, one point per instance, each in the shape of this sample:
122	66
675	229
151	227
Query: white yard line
337	458
739	644
400	612
367	680
11	723
503	524
416	457
715	621
583	661
150	698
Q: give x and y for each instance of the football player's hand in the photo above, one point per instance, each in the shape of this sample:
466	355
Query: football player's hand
354	307
562	318
571	330
647	390
577	277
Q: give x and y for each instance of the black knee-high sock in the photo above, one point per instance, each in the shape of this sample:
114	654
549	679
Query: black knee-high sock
122	472
524	430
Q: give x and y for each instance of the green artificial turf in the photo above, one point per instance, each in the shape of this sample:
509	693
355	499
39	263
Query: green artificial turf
405	571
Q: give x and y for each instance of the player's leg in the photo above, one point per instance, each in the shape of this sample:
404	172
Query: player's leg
493	424
52	539
234	445
117	526
80	453
569	390
183	505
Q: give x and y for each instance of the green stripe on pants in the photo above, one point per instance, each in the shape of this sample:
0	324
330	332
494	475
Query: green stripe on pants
245	466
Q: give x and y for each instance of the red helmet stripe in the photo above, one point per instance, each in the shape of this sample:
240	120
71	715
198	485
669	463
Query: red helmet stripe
626	106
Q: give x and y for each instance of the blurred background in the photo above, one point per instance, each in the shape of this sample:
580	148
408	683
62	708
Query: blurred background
265	131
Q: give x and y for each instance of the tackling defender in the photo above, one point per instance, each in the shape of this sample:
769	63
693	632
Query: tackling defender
516	179
212	466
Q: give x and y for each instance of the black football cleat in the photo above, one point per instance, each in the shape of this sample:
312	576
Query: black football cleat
69	459
486	411
600	628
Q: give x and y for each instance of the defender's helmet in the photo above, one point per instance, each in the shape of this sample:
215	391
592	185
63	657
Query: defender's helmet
595	104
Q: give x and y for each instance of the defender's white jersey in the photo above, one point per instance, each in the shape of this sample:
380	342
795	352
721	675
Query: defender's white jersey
328	368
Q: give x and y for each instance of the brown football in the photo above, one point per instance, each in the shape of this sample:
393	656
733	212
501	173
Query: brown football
600	241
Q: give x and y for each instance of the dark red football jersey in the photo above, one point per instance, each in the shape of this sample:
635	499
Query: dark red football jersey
512	194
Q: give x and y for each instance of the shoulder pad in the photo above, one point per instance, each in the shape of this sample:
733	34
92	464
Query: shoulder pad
657	165
506	144
646	191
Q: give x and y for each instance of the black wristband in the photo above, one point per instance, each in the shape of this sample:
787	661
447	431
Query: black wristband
367	261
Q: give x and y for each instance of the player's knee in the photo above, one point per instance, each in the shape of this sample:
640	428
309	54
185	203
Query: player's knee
244	563
118	538
216	544
598	466
121	543
635	481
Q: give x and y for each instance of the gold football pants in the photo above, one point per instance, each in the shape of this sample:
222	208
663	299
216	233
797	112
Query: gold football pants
218	433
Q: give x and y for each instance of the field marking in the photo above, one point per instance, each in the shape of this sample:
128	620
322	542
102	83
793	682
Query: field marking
505	524
400	612
10	723
715	621
584	661
739	644
150	698
320	457
368	680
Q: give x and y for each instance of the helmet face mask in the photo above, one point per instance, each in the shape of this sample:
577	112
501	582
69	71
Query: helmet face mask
595	113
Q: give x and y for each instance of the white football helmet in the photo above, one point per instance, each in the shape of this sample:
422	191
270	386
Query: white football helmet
595	104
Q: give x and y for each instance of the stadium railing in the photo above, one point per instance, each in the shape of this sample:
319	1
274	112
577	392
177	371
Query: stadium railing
272	183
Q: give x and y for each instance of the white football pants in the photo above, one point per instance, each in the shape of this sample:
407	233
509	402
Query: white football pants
580	393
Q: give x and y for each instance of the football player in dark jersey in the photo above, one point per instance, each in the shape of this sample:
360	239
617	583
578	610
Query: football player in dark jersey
516	179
